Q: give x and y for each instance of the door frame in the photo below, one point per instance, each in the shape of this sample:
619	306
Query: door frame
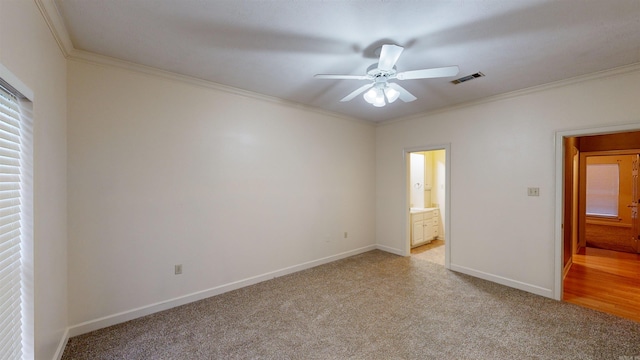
559	191
447	198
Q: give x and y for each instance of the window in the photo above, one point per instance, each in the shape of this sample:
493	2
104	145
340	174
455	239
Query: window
603	186
16	303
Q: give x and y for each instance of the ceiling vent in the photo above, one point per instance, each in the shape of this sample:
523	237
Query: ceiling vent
467	78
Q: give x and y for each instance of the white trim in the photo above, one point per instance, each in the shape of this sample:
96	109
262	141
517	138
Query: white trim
55	22
621	70
63	343
447	201
59	31
558	268
121	317
28	227
27	244
391	250
96	59
8	76
51	15
504	281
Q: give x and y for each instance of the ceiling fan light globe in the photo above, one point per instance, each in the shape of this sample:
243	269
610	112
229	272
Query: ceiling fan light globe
379	101
392	94
370	96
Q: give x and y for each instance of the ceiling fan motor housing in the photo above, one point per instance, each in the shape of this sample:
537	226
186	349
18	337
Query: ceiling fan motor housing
379	75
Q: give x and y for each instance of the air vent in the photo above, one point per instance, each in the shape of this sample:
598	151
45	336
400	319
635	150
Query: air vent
467	78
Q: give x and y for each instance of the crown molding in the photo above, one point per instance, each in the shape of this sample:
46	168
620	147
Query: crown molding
55	22
621	70
96	59
56	25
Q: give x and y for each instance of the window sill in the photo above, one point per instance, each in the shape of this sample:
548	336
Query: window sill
606	220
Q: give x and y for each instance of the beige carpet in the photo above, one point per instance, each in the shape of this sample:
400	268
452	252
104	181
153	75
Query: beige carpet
371	306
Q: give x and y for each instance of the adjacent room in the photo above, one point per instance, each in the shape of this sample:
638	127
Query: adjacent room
233	179
601	222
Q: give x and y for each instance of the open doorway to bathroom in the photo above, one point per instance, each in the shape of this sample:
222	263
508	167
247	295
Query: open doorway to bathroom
427	188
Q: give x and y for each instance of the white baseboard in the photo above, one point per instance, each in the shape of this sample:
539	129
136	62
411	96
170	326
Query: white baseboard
504	281
61	345
390	250
486	276
118	318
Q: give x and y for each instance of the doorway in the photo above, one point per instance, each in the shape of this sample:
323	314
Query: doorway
599	231
427	210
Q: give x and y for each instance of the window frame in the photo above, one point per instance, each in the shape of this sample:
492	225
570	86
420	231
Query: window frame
615	206
25	99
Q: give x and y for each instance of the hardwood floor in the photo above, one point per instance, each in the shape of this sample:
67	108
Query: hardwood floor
432	252
605	280
422	248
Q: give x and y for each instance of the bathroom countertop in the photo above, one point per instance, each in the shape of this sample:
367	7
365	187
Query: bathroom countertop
421	210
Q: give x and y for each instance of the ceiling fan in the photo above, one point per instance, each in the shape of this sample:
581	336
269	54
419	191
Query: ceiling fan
384	70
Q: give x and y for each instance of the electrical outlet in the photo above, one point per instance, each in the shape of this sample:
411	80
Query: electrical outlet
533	191
346	235
178	269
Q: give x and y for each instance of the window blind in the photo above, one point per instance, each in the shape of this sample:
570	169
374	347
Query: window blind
603	187
10	226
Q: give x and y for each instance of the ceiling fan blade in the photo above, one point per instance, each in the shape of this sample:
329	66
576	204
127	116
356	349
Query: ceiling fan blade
340	77
404	94
357	92
428	73
388	56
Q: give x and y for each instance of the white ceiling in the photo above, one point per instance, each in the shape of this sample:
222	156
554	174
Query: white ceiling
275	47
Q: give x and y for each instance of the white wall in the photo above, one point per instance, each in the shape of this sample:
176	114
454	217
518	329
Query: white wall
29	51
163	172
498	149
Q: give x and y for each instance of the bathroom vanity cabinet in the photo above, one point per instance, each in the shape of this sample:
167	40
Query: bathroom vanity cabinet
424	225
